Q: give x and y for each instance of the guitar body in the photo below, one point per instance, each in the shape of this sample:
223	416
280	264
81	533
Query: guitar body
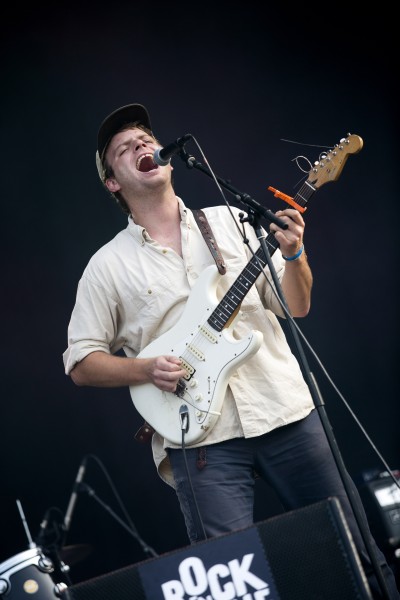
211	358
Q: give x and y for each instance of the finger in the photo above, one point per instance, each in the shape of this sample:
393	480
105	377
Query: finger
174	360
292	215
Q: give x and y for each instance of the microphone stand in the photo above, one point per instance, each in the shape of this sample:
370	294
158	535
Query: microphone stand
191	163
256	211
145	547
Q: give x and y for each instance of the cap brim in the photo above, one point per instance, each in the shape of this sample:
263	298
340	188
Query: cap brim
117	119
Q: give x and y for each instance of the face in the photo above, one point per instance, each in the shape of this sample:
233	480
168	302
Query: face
130	155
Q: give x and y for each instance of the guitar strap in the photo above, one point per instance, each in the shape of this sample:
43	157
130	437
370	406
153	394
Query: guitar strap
211	242
145	432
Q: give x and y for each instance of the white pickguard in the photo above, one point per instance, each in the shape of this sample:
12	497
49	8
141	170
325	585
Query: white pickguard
212	355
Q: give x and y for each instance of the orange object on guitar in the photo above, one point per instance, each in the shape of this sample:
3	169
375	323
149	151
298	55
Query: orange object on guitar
287	199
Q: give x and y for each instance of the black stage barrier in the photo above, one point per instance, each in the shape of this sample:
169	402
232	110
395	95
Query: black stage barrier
303	554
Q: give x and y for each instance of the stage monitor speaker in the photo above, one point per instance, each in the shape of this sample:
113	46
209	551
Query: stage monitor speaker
303	554
381	498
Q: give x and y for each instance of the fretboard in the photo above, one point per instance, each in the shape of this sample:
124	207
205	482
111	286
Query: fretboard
238	290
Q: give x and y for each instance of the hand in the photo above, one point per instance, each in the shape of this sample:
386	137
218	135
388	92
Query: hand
290	239
165	372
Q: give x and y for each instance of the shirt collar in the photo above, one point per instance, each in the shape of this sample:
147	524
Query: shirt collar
140	233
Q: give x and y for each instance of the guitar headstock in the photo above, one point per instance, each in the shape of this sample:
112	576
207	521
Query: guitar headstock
330	164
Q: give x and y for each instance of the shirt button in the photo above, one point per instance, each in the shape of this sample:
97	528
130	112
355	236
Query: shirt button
149	291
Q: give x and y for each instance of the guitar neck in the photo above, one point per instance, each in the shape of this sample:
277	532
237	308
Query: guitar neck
238	290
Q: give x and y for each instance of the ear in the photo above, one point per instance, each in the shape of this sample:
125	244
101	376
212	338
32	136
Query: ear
112	185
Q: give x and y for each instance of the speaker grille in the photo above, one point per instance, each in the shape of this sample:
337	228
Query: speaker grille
312	555
309	552
124	584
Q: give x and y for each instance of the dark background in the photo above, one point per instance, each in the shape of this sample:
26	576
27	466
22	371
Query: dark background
240	80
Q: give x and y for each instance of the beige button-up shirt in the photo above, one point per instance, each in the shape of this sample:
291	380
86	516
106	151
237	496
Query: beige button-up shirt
133	290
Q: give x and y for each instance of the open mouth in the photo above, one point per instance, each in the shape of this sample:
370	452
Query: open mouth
145	163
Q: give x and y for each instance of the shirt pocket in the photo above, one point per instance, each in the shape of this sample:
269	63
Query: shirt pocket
159	304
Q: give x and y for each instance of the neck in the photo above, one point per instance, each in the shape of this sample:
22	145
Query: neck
154	210
162	220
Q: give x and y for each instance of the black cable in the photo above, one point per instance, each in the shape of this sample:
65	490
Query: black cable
184	416
131	528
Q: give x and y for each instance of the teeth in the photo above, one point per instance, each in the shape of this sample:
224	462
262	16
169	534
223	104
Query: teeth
139	160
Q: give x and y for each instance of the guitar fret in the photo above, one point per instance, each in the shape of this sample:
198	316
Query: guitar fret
236	296
303	199
230	303
243	282
217	322
225	310
304	194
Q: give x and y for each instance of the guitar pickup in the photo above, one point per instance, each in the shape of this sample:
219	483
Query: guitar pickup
188	368
196	352
208	334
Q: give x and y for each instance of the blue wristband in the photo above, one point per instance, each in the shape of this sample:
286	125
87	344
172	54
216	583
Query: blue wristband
295	256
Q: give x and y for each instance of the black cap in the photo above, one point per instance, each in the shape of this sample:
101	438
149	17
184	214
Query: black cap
117	119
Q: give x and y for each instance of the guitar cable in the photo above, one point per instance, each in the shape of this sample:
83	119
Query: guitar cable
184	418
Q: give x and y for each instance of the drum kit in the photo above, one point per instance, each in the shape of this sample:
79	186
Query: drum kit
34	572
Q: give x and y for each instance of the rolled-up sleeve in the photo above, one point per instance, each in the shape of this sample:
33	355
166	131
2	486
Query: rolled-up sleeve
93	325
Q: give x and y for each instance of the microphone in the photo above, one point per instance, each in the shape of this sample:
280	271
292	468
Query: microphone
74	496
162	156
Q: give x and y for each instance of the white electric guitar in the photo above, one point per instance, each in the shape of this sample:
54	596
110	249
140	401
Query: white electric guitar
203	337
